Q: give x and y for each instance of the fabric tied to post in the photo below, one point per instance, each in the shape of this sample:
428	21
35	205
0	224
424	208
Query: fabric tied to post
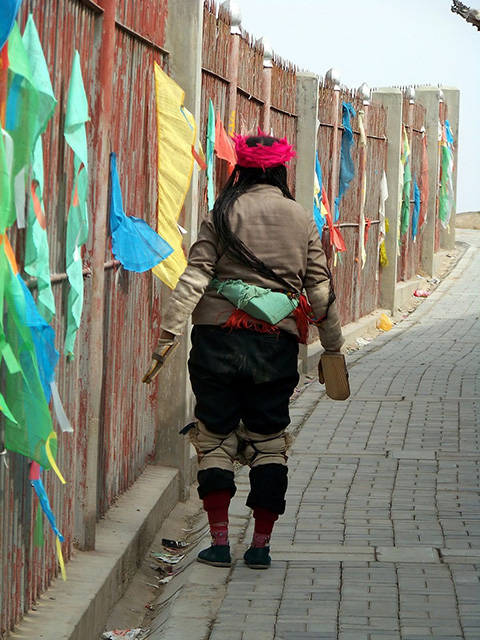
416	210
407	182
137	246
77	225
224	146
176	130
8	14
318	210
21	122
382	231
446	195
210	158
362	168
37	255
44	502
25	393
347	169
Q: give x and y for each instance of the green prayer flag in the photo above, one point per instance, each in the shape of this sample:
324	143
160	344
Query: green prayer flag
77	225
210	155
37	259
6	411
37	253
5	189
407	182
28	433
21	122
445	195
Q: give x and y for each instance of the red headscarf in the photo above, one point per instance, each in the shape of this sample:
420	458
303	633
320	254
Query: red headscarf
262	156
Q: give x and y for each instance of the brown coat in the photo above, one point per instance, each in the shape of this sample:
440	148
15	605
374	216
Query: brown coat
279	232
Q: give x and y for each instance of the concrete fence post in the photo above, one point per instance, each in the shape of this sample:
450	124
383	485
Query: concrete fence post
452	99
392	101
307	119
184	41
428	97
307	122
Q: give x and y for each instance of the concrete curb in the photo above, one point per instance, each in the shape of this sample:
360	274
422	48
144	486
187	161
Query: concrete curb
78	609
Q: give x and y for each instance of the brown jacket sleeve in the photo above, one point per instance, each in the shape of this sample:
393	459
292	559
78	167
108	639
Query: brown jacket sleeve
202	259
317	286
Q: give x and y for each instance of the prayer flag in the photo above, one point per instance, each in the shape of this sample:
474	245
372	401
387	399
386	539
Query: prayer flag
347	170
362	168
416	209
77	224
382	251
134	242
223	145
318	210
407	182
210	157
22	122
39	488
37	260
446	195
32	429
8	13
176	135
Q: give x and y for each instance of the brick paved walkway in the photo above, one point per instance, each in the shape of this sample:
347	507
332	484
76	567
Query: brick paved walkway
381	537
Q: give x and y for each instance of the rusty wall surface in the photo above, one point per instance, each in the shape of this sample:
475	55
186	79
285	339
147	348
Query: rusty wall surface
356	287
132	301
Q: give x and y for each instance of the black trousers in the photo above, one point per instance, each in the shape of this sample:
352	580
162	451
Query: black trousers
240	375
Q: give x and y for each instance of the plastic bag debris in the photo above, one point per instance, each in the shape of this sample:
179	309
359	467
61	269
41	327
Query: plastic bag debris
421	293
362	342
168	557
122	634
384	322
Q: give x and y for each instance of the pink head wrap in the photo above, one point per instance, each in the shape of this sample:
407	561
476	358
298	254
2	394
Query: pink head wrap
261	156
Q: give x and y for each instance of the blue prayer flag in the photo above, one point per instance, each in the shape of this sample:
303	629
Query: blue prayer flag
134	243
317	200
416	209
8	13
347	170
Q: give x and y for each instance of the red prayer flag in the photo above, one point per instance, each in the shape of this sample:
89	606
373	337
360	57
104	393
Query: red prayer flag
336	237
223	144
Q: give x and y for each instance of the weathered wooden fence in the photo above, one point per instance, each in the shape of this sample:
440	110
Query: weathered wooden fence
132	302
356	287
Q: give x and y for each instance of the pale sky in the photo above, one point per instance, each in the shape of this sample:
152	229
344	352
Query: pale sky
384	43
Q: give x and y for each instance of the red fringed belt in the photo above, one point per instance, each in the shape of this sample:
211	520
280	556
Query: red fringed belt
303	314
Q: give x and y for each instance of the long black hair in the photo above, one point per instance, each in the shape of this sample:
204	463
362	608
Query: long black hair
241	180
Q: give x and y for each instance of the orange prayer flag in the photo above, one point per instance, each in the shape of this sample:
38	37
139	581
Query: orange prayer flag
223	144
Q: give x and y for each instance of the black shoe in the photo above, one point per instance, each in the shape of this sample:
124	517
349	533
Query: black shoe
258	557
218	555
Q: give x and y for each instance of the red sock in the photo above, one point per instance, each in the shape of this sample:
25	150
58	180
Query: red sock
216	505
264	521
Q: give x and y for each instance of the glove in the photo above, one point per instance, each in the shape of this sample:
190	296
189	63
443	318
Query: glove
164	349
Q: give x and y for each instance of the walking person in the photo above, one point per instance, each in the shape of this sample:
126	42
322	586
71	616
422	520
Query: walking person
255	255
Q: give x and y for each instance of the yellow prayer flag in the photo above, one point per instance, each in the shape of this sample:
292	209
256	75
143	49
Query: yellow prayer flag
176	132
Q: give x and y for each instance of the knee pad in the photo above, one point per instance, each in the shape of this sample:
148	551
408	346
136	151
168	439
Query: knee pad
215	479
268	486
213	450
256	449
